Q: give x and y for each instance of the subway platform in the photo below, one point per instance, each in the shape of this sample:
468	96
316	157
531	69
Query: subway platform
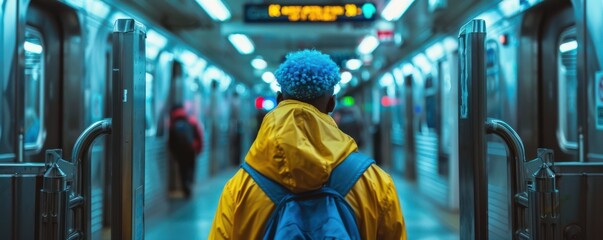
192	219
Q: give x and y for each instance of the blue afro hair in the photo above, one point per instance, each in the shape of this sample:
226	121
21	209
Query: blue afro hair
307	74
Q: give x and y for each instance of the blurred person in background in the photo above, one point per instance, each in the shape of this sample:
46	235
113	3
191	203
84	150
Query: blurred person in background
185	142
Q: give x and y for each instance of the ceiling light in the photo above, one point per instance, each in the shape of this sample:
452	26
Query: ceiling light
275	87
259	63
395	9
421	61
398	76
435	52
188	57
346	77
368	45
353	64
242	43
450	44
509	7
215	9
268	77
32	47
151	51
407	69
156	39
336	89
386	80
565	47
98	8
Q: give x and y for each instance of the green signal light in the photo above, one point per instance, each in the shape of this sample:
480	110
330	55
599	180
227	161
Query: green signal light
348	101
368	10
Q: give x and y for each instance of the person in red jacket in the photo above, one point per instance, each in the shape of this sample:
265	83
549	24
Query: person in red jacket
185	142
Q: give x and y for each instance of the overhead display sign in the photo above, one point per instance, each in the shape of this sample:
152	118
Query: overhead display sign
281	13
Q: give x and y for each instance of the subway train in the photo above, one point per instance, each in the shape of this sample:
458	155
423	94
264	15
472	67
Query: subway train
56	81
543	77
542	68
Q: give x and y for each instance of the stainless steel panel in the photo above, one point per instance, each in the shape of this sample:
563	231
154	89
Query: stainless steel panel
19	192
8	25
128	164
580	195
156	177
498	193
472	149
429	180
593	54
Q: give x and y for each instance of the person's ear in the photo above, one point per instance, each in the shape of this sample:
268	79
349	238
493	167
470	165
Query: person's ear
279	97
331	104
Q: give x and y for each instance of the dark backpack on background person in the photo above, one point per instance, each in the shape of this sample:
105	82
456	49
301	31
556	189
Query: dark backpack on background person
318	214
182	137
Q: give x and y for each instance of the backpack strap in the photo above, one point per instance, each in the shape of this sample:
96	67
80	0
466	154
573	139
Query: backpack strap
347	173
274	190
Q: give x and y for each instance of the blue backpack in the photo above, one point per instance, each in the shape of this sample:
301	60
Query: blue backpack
318	214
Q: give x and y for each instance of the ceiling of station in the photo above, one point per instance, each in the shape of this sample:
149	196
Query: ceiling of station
273	41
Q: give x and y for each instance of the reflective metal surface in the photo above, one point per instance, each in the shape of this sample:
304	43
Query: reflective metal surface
82	183
515	169
473	182
128	163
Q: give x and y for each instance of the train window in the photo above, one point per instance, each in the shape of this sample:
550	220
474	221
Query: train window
34	89
567	89
431	102
150	127
493	82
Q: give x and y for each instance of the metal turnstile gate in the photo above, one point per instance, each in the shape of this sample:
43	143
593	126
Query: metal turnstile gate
53	200
547	200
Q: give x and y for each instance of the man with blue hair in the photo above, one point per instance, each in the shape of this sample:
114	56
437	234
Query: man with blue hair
297	147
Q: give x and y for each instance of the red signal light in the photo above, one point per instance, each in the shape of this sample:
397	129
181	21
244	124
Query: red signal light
259	102
503	39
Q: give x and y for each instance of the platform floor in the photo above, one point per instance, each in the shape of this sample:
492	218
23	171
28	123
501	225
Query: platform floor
192	219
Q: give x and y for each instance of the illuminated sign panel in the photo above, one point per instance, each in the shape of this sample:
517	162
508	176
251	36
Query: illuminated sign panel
350	12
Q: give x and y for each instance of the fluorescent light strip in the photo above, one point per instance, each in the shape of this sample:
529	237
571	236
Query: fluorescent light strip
368	45
395	9
259	63
568	46
336	89
188	57
275	87
346	77
32	47
156	39
353	64
215	9
407	69
435	52
242	43
421	61
268	77
386	80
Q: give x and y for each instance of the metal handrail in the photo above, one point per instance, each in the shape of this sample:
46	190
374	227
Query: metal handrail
516	167
82	182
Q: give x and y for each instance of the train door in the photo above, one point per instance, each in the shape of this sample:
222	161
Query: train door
431	161
559	122
383	136
409	129
42	80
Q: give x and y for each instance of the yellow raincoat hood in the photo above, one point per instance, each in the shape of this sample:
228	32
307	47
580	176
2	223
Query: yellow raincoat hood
298	146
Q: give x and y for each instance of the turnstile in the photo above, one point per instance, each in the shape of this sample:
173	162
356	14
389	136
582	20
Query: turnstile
547	200
53	200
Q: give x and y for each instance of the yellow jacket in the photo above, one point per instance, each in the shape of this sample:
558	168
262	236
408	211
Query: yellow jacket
298	146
